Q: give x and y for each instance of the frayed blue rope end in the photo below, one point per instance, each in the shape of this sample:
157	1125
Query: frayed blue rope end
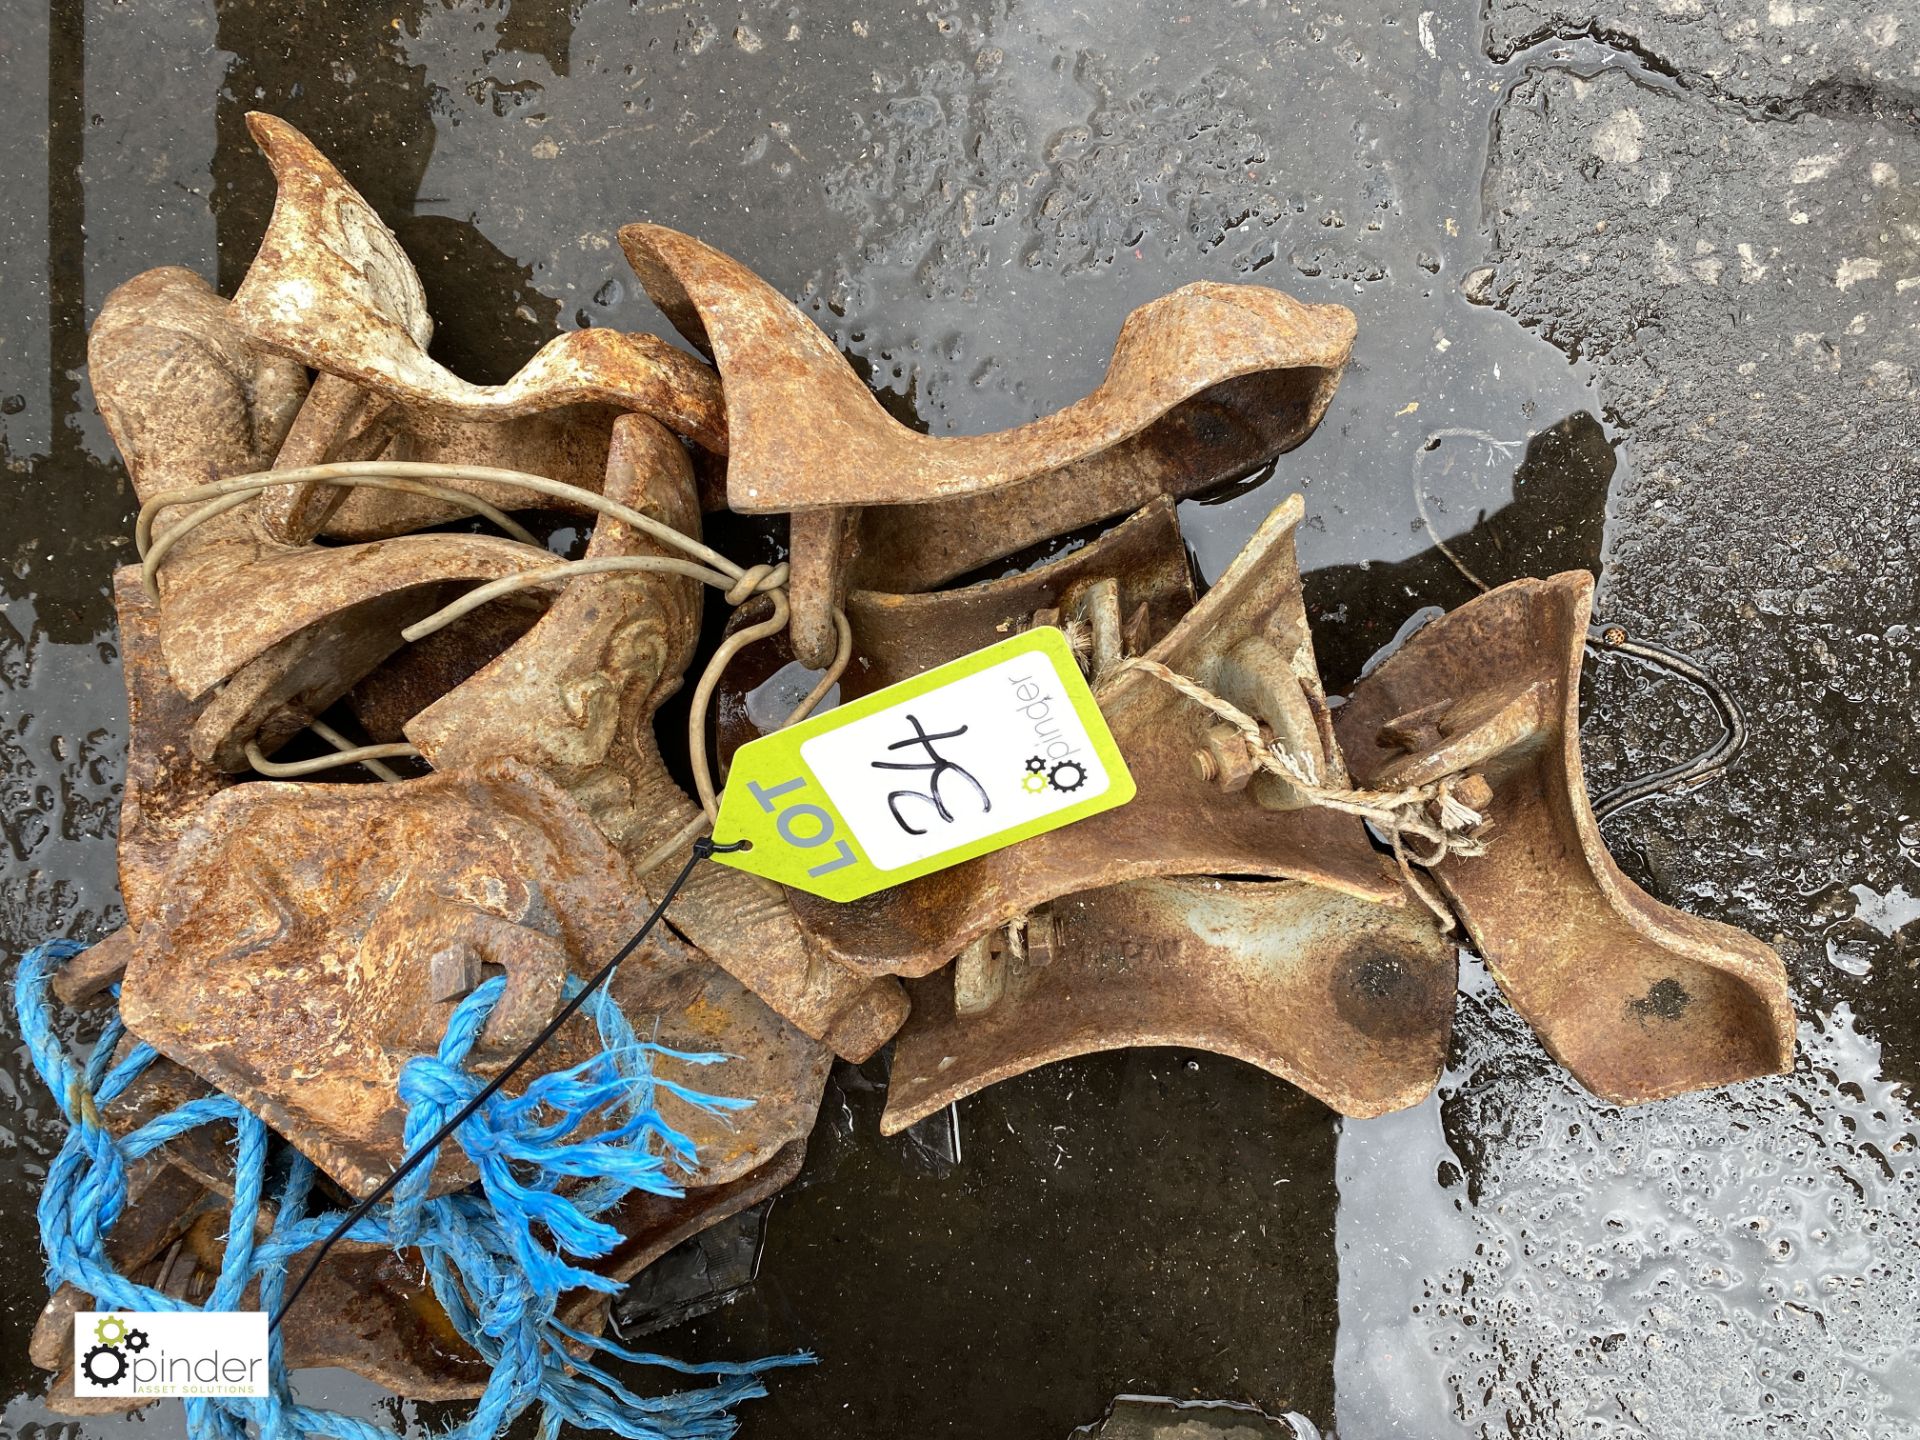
499	1259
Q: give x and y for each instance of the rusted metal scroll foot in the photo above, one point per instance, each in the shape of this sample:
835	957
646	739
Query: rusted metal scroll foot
1351	1001
1638	1000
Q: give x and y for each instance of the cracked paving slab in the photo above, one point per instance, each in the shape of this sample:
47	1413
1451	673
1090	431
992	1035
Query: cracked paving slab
1775	53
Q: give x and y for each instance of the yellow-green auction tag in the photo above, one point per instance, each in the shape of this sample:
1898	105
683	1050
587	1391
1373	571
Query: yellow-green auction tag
980	753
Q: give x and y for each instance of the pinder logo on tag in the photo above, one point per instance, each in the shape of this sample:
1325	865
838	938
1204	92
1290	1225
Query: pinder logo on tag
977	754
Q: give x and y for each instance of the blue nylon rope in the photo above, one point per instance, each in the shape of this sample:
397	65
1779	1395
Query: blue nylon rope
498	1259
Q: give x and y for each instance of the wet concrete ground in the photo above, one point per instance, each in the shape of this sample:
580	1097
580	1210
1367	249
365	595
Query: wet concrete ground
1637	283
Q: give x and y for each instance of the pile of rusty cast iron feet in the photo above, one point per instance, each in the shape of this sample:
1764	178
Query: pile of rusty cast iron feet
385	742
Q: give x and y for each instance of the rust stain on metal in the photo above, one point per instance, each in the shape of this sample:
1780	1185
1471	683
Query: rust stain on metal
568	445
809	434
899	636
421	672
165	781
296	944
1351	1001
374	1311
280	692
186	395
100	965
315	938
332	288
1638	1000
339	422
896	637
232	600
1205	384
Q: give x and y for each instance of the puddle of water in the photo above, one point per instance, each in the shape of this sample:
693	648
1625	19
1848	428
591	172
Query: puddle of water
1703	1266
970	204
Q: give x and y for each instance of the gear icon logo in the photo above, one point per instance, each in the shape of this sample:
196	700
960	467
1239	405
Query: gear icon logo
1063	776
110	1361
1066	776
104	1364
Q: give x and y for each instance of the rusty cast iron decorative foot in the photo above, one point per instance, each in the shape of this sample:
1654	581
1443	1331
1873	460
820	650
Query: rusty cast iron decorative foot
314	938
1638	1000
1205	384
575	697
187	395
331	287
1141	562
1351	1001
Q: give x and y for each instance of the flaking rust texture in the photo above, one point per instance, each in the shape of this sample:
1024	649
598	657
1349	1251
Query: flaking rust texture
1204	385
1142	561
969	208
1638	1000
1350	1000
285	964
577	696
1718	212
332	288
374	1312
189	397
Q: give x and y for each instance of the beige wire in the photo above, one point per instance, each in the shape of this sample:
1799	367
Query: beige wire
703	694
1495	445
295	768
417	470
672	847
229	494
386	773
738	583
560	574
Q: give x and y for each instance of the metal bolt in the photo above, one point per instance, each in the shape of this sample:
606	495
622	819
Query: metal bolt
453	971
1225	760
1474	792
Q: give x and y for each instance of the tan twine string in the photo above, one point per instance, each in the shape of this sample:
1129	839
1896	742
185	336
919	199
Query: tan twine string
1079	636
1430	814
1017	939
